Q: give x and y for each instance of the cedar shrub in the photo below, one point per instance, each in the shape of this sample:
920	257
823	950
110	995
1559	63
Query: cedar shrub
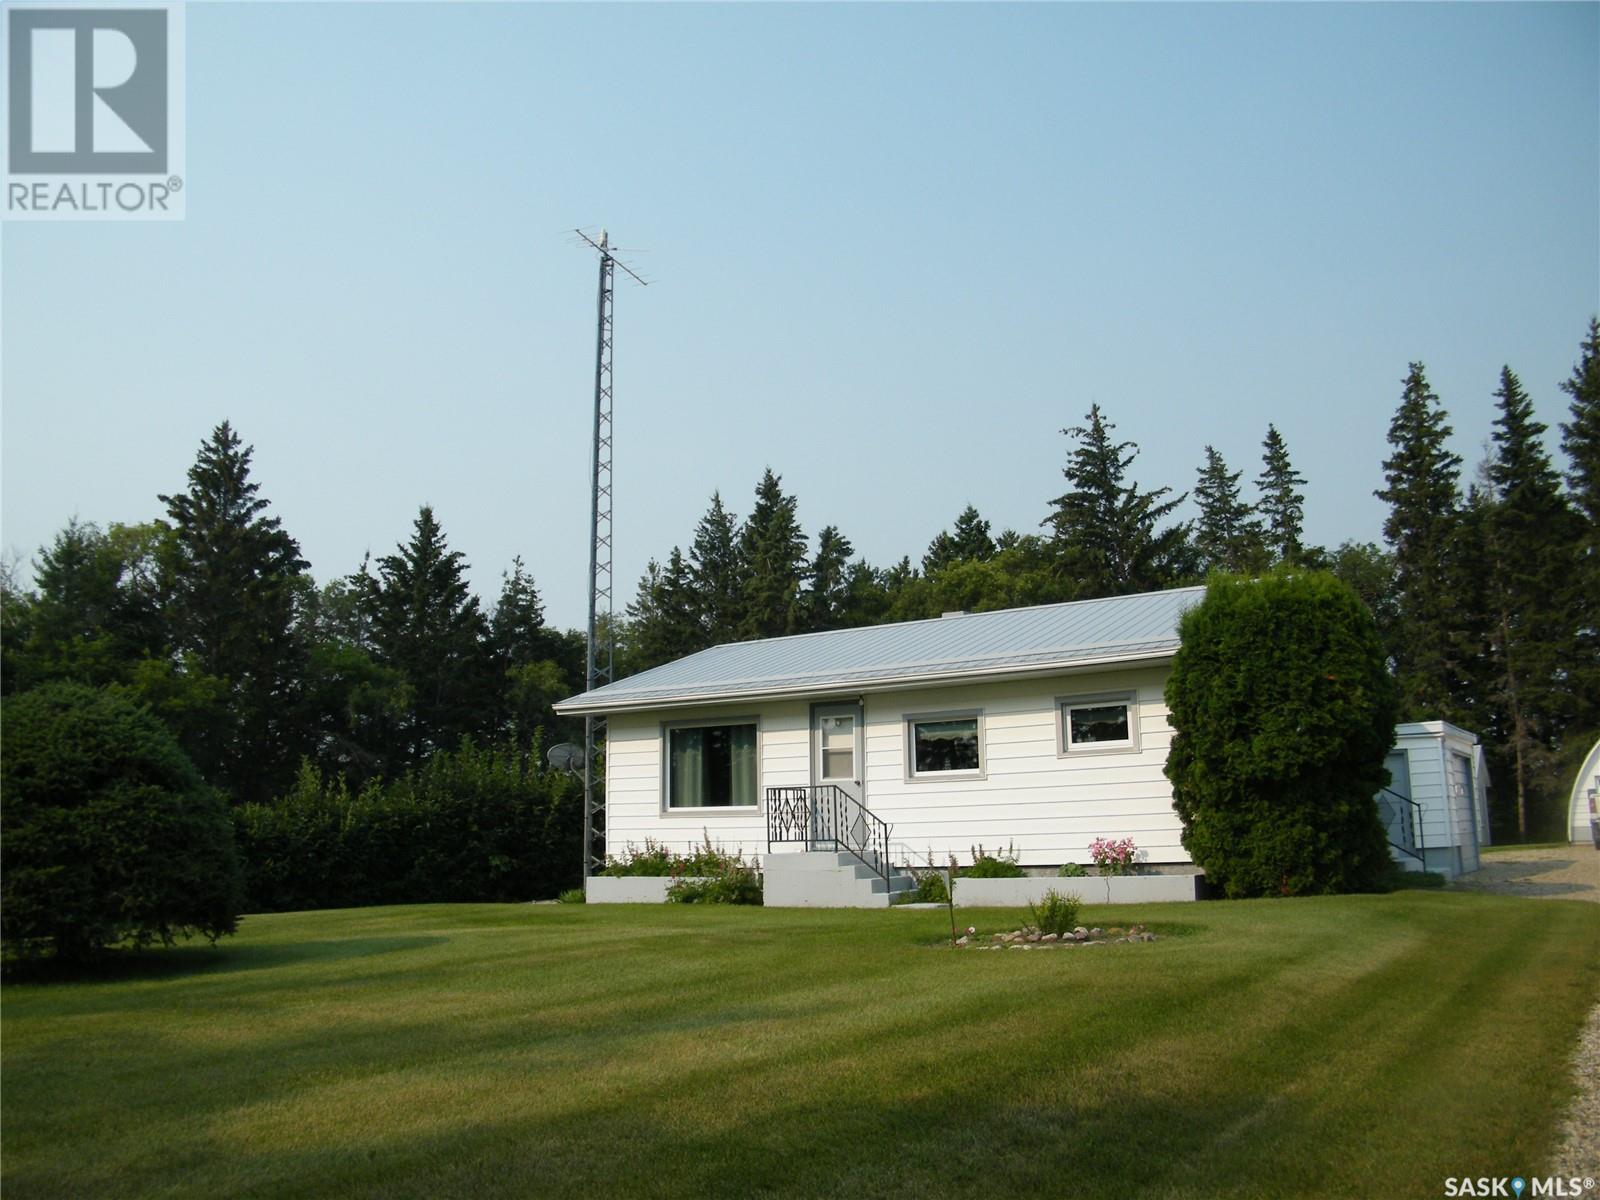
111	836
1283	710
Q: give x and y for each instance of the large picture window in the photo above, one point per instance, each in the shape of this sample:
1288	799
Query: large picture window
1090	723
712	766
945	744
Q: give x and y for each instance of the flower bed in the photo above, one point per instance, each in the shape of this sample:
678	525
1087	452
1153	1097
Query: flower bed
1111	889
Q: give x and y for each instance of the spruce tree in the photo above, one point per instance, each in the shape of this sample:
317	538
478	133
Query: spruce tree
1227	536
517	629
525	652
1580	439
428	626
1423	504
773	549
969	541
1530	537
230	582
714	570
1282	504
663	625
828	581
91	619
1107	532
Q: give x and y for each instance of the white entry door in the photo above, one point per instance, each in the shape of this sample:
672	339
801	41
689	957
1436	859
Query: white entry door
836	748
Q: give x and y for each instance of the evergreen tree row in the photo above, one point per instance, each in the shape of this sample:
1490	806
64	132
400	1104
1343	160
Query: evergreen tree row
1486	597
211	618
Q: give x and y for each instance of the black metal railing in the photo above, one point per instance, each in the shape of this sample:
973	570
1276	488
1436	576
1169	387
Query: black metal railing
1402	819
826	817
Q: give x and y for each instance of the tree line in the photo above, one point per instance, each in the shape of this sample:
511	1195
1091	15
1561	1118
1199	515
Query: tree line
1485	595
210	617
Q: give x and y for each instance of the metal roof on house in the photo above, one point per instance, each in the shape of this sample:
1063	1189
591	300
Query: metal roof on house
1016	641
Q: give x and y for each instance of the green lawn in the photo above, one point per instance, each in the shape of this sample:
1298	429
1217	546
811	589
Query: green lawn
1357	1046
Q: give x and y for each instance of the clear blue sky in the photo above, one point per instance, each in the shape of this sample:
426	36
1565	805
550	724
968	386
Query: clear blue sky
895	250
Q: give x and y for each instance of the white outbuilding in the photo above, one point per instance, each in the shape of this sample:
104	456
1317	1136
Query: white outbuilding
1581	816
1436	805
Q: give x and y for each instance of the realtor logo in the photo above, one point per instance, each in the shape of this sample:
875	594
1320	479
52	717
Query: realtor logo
94	100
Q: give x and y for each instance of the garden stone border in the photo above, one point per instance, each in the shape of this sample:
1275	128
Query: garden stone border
628	889
1091	889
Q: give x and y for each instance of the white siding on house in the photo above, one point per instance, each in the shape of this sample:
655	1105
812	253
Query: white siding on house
1049	806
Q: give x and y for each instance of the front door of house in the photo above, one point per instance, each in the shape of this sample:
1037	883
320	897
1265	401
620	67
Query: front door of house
836	762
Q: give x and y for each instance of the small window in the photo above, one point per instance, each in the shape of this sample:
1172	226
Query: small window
838	747
1091	723
945	745
712	766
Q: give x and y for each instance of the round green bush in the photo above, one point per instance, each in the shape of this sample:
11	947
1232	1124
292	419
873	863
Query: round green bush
111	836
1283	710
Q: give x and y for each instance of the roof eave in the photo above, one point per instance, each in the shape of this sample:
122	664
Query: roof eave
575	706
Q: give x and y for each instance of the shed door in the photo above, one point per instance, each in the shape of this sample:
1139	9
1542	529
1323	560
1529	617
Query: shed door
1464	810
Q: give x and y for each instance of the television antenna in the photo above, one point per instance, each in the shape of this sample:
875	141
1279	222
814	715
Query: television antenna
599	641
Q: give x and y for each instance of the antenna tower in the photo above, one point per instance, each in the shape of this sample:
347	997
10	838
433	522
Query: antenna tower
598	643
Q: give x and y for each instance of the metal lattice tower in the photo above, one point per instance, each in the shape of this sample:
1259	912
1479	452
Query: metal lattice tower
599	642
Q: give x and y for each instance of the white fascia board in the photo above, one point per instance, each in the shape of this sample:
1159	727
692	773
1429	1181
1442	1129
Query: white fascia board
905	683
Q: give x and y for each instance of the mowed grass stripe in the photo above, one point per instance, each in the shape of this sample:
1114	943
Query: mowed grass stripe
1316	1047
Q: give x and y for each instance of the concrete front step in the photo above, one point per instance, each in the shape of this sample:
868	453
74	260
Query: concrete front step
826	879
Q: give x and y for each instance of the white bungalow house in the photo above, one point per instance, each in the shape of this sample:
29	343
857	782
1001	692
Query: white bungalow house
834	757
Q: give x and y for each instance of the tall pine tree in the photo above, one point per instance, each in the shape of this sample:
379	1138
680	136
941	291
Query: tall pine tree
1227	534
1423	499
827	596
526	655
1282	504
1530	535
714	570
230	581
1580	439
1107	532
429	628
773	549
969	541
663	624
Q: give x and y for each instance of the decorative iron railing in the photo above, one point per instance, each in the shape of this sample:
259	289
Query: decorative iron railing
826	817
1402	820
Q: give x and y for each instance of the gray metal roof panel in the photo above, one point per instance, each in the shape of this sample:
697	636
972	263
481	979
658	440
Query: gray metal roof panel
1083	631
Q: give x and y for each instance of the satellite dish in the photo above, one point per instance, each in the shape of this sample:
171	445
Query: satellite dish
566	757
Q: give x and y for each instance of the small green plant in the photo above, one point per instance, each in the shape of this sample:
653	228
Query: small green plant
572	896
651	859
930	888
736	883
1055	913
993	866
1072	870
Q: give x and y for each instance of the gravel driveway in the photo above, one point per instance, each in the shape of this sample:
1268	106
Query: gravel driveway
1560	873
1557	873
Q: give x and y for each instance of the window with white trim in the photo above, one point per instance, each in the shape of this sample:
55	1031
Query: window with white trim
711	765
1094	723
944	744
